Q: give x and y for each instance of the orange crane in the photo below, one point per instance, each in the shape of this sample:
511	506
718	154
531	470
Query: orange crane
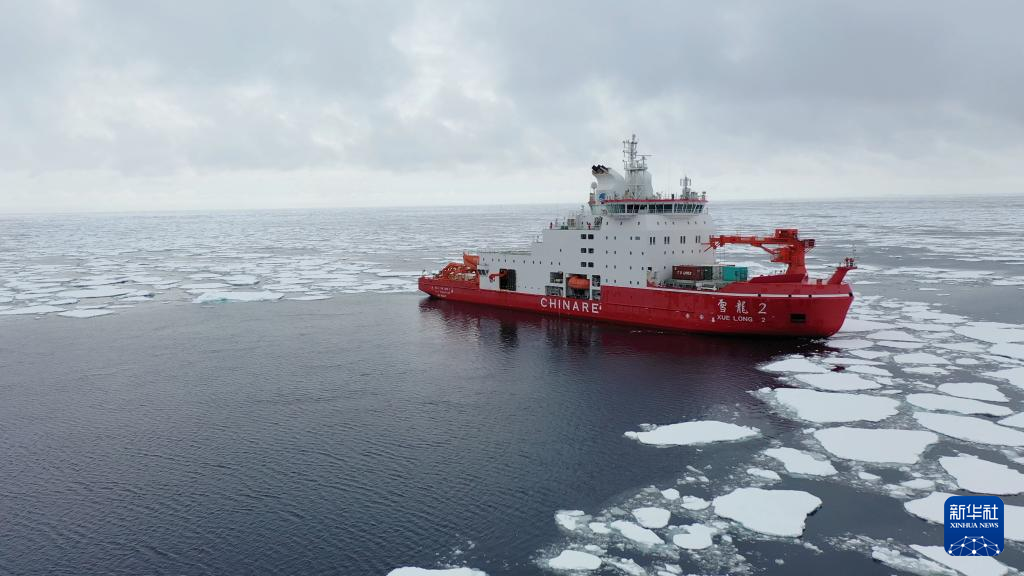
785	246
464	271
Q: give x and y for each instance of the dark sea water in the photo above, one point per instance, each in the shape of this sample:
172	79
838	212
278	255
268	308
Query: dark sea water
376	428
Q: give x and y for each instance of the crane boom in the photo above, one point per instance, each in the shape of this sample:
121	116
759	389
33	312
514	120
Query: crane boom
785	247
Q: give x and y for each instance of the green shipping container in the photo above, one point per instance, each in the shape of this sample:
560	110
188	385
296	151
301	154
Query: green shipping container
734	273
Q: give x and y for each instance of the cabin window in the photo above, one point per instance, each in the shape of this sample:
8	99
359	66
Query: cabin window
595	280
682	239
583	264
667	239
651	242
556	278
583	250
590	264
583	236
590	236
590	250
595	294
553	290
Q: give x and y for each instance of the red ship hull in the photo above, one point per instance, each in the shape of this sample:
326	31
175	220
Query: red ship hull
744	308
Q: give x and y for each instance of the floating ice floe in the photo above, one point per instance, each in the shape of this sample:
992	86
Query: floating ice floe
1014	376
772	512
920	566
309	297
975	390
695	503
599	528
882	445
952	404
694	537
798	462
763	473
982	476
692	433
993	333
897	335
204	286
860	325
670	494
652	517
970	429
1017	421
636	533
1008	350
794	365
206	297
919	358
240	280
825	407
850	343
85	313
932	509
985	566
40	309
568	518
837	381
100	292
869	370
575	560
412	571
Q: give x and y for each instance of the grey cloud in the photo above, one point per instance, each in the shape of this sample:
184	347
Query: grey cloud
163	87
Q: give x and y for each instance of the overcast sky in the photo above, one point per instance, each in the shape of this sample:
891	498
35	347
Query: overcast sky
248	104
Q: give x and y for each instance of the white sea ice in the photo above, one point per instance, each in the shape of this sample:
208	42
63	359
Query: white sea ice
575	560
772	512
961	405
794	365
240	296
85	313
931	508
919	566
695	503
1017	421
898	335
100	292
992	332
919	484
40	309
1008	350
636	533
919	358
798	462
652	517
850	343
986	566
883	445
241	280
870	354
309	297
869	370
567	518
762	473
837	381
1014	376
204	286
982	476
599	528
868	476
670	494
694	537
970	429
975	390
691	433
860	325
824	407
412	571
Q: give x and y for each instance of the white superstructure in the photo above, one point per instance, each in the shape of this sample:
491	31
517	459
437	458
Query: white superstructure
626	235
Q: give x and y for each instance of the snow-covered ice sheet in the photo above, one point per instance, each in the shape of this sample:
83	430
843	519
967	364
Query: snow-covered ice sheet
881	445
982	476
974	390
953	404
575	560
837	381
694	537
240	296
86	313
652	517
692	433
970	428
799	462
413	571
772	512
827	407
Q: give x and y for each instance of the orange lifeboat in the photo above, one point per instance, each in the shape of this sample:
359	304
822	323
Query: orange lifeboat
579	283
